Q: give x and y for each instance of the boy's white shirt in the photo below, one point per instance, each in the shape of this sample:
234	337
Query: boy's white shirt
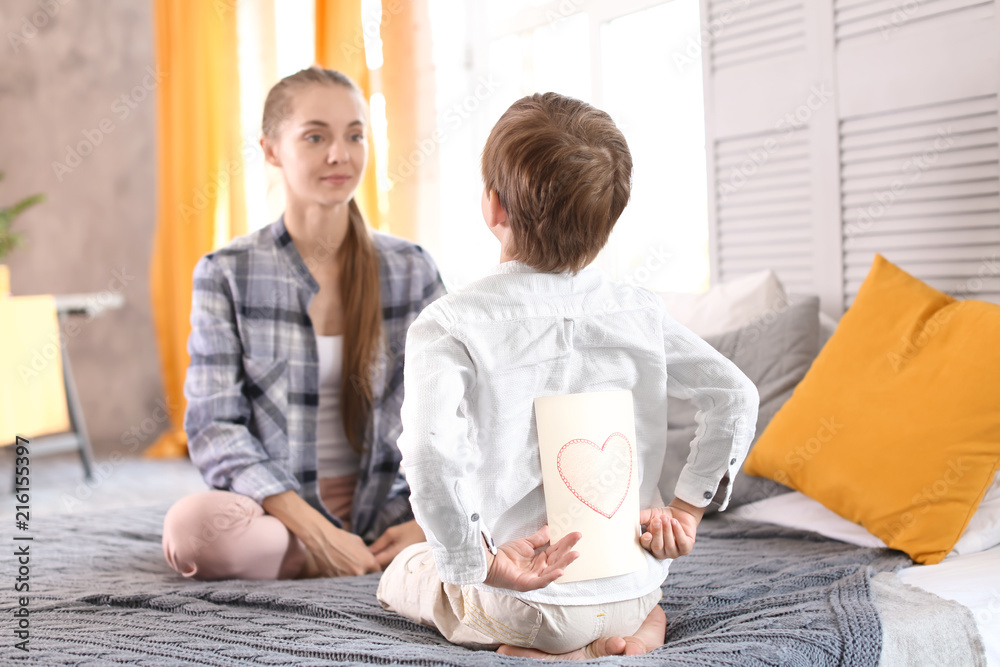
475	361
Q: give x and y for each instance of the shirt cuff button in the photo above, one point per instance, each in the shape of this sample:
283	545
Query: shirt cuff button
708	495
733	462
474	517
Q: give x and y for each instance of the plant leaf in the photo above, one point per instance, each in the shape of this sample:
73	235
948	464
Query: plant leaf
26	203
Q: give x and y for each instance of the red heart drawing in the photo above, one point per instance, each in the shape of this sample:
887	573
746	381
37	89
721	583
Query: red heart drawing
583	466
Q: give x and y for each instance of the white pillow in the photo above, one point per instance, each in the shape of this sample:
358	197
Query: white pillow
983	531
729	305
796	510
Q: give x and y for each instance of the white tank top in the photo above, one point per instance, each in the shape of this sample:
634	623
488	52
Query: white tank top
336	458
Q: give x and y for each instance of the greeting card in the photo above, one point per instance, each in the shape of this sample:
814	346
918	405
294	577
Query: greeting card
589	472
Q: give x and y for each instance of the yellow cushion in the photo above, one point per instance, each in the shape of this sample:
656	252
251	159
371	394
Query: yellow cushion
896	426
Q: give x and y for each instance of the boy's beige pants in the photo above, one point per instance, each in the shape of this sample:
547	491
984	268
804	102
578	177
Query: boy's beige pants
482	620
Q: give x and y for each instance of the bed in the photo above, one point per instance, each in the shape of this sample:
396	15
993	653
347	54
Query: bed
752	593
776	580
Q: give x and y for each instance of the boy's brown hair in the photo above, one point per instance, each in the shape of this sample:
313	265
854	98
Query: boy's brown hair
563	173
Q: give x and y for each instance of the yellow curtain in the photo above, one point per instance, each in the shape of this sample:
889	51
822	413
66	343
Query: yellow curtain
200	177
406	81
407	78
340	46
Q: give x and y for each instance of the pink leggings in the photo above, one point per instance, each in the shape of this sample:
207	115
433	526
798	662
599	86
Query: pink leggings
225	535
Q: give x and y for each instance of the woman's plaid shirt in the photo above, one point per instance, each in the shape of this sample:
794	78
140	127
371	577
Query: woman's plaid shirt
252	386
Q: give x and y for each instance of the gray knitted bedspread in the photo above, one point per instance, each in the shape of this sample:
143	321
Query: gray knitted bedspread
102	594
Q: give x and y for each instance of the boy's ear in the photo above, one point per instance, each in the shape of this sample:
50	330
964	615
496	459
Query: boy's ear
495	213
270	156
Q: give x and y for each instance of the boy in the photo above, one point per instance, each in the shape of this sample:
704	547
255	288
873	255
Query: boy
557	175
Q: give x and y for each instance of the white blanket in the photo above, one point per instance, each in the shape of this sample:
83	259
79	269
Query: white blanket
972	580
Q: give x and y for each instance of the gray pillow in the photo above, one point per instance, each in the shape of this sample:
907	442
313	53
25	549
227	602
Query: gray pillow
774	351
827	325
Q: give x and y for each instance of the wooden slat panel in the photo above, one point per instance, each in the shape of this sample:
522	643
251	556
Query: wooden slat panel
773	197
985	171
917	191
790	252
918	255
789	225
751	265
777	181
928	202
919	115
849	11
754	30
960	270
725	13
797	210
756	141
904	74
946	160
744	265
953	222
945	140
772	25
761	238
771	50
917	131
764	38
936	207
782	169
742	268
942	139
884	17
779	158
764	205
969	241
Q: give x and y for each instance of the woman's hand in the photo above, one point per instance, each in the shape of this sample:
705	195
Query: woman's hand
331	551
338	553
394	540
670	531
520	566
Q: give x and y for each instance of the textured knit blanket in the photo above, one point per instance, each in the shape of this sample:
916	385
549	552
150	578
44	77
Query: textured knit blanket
102	594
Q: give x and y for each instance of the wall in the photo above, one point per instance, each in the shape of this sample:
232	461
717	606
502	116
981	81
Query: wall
840	129
84	77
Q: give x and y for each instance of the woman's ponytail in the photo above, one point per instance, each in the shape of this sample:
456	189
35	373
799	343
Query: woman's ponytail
360	293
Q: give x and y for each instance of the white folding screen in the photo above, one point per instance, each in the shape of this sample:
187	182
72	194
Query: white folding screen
842	128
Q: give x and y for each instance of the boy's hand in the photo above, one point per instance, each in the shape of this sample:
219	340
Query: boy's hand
670	531
519	566
394	540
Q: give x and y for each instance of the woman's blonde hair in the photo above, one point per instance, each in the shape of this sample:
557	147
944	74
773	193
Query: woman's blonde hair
359	269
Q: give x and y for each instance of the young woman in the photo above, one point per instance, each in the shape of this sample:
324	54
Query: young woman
296	375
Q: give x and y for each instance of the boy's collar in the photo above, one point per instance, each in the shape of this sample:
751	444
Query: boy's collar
513	266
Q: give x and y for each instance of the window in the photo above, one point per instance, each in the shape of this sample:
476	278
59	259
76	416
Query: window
619	56
631	58
275	40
